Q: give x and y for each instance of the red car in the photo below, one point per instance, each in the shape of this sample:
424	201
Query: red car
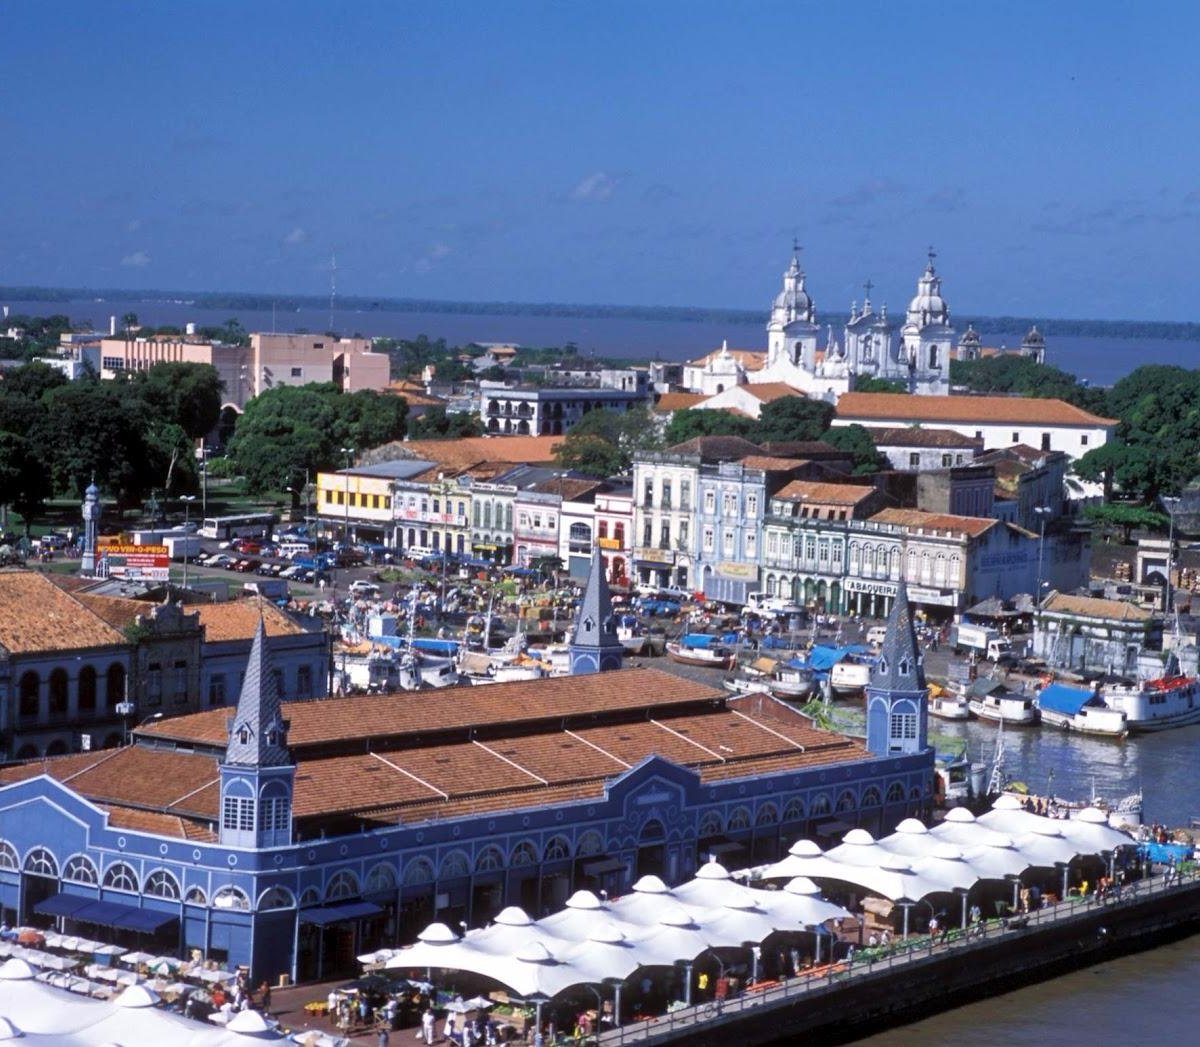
247	545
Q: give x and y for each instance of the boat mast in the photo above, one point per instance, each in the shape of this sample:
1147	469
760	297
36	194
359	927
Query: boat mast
999	777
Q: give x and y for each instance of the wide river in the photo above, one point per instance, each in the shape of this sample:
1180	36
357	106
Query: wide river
1100	360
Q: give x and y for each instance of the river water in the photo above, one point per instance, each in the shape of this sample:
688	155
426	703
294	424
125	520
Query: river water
1100	360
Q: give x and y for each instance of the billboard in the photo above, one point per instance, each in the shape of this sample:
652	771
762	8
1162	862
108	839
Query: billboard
146	563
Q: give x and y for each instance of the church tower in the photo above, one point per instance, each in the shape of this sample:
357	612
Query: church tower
91	528
594	645
792	330
257	774
927	336
897	710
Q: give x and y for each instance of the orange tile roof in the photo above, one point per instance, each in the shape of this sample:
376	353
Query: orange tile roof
1095	607
415	394
412	713
768	392
970	526
237	620
36	615
824	493
1018	410
678	401
118	611
769	464
913	436
474	449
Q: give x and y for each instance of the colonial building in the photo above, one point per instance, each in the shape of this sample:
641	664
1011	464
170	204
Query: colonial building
1087	633
721	369
912	448
357	505
614	531
999	421
537	411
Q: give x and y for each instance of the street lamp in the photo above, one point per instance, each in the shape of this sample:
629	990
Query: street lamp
1042	512
187	500
349	453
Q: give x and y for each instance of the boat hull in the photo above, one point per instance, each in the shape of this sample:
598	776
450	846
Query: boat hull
699	657
1159	705
1011	717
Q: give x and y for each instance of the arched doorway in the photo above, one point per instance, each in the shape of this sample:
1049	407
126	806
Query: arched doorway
651	857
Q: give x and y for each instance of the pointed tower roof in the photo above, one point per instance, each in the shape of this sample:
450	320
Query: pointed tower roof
595	610
901	666
257	730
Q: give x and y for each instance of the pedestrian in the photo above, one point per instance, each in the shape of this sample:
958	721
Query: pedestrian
264	995
427	1025
383	1038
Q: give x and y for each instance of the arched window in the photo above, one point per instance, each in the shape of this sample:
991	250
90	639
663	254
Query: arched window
590	842
871	797
820	806
161	884
525	853
40	862
195	896
87	689
895	793
343	884
30	686
81	869
121	877
489	859
58	692
454	865
911	572
845	802
276	898
739	819
381	879
233	898
580	533
793	810
710	825
274	810
8	856
309	897
114	685
558	849
768	814
419	870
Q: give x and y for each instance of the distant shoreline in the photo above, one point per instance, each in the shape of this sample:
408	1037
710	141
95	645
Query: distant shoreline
1010	326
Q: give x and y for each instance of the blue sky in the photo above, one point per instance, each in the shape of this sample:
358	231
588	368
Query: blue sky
661	153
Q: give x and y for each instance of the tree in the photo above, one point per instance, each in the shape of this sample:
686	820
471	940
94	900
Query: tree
189	395
24	481
32	381
692	422
856	441
603	443
1126	517
438	424
285	432
129	322
879	385
370	419
792	418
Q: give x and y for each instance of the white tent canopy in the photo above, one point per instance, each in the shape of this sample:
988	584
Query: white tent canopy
35	1007
584	915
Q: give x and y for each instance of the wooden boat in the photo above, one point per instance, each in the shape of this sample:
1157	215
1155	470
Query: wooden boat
947	704
702	650
631	634
991	700
1080	709
793	680
1155	705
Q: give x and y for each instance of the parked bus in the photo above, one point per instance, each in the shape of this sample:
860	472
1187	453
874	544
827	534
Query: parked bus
251	525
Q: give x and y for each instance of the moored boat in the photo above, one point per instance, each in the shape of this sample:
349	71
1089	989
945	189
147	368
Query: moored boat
1079	709
1155	705
793	680
703	650
631	634
991	700
948	705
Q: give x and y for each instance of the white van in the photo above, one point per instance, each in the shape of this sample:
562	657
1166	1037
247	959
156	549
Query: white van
876	635
290	550
764	604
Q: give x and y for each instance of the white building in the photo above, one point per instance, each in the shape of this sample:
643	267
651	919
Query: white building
721	369
1000	421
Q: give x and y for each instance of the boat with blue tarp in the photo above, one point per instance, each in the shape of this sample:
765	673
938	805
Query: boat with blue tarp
1080	709
702	649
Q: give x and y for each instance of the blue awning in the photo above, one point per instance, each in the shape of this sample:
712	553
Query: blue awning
62	905
328	914
105	914
1059	698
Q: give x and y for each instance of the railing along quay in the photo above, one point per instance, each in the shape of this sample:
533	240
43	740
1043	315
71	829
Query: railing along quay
869	965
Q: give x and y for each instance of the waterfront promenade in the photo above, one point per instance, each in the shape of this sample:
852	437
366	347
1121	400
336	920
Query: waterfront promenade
840	996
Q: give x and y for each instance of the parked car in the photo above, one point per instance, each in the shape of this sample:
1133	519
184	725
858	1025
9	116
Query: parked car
246	566
364	588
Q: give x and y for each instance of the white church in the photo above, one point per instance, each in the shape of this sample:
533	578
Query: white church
920	360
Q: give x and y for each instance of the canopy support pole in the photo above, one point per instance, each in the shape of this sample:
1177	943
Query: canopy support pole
687	983
906	906
963	925
616	1007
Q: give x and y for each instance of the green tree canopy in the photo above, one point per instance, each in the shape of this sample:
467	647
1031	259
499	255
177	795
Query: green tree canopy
792	418
1125	517
189	395
692	422
603	443
879	385
856	440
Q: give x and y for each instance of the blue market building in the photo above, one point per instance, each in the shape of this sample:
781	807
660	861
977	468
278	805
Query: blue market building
292	836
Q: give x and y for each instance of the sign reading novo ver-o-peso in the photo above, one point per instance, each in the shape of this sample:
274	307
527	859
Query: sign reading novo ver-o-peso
151	563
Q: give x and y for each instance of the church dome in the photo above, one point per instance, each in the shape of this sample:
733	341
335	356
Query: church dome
970	336
928	306
794	302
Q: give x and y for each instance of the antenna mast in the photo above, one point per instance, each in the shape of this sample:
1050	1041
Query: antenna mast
332	287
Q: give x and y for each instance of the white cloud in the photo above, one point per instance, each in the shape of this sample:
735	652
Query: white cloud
137	260
596	186
296	236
